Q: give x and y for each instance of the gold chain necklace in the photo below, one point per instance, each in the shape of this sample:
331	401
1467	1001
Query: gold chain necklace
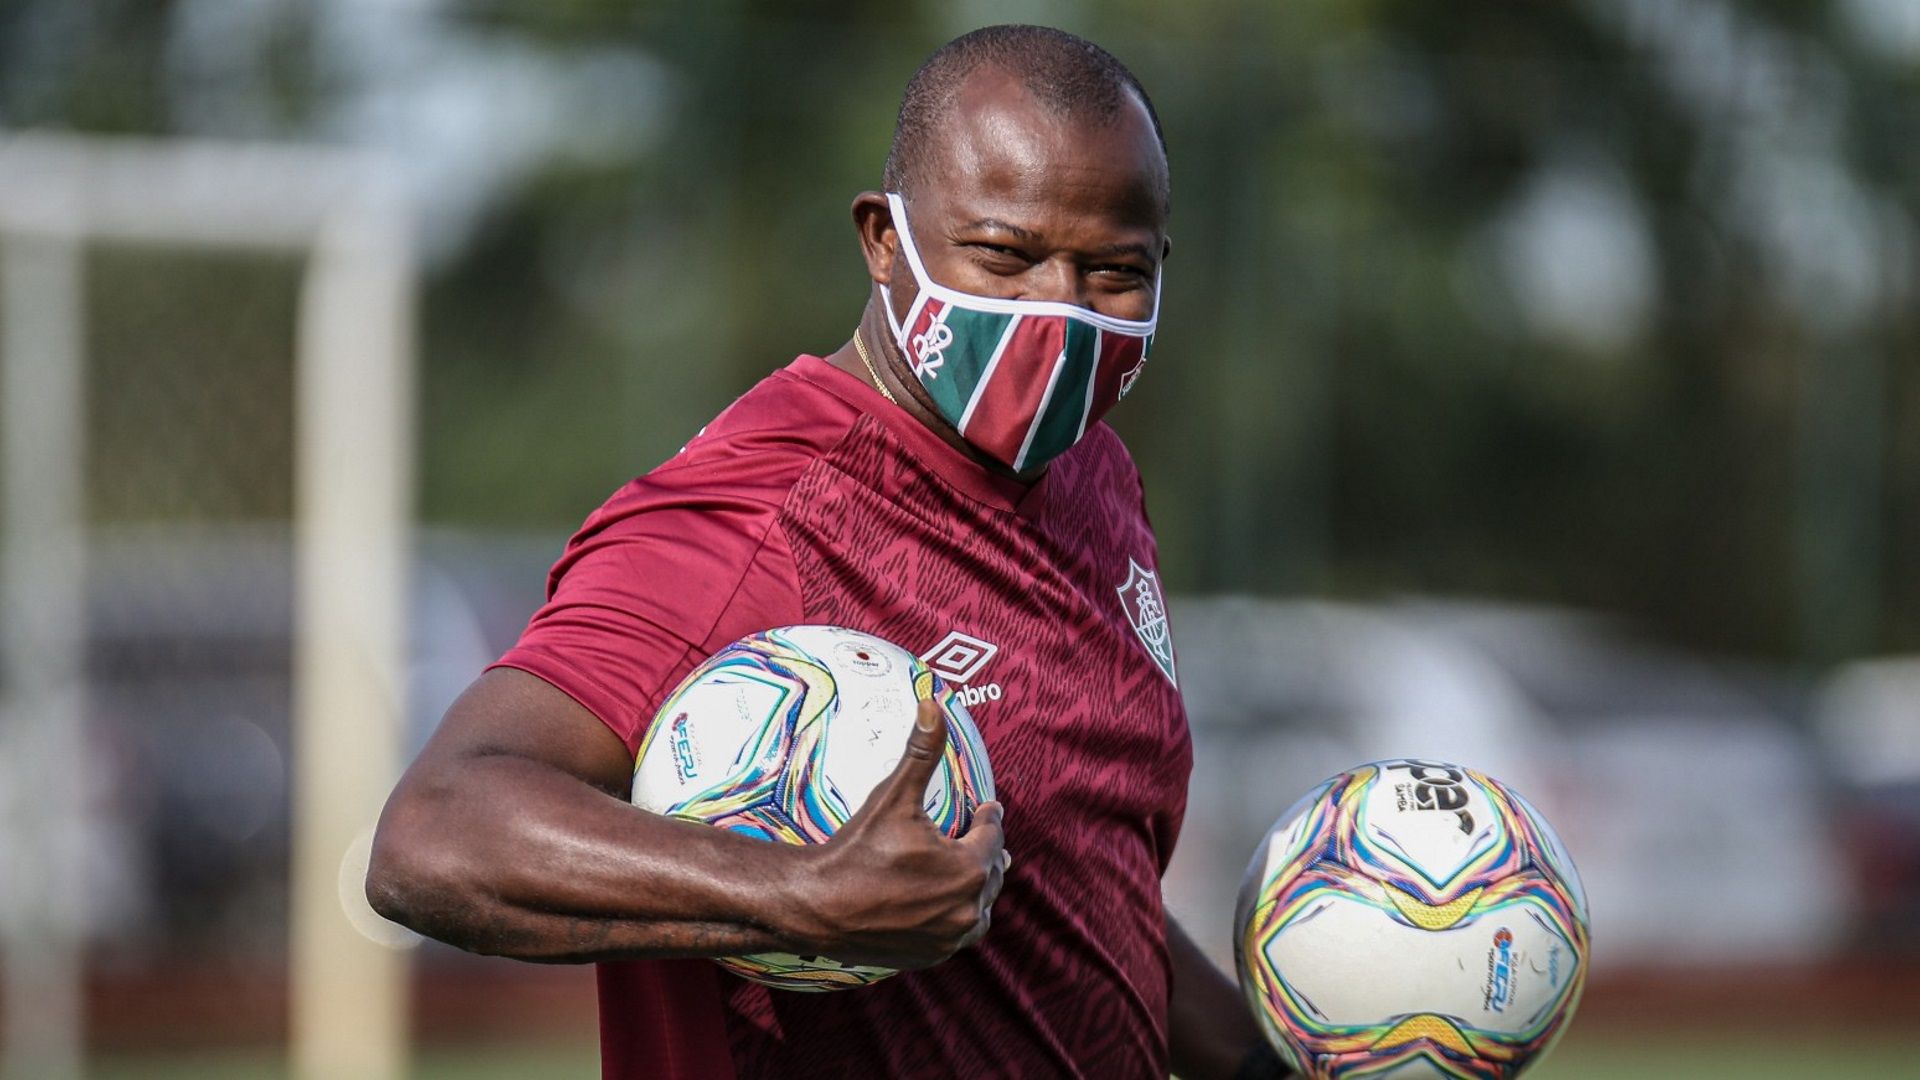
860	346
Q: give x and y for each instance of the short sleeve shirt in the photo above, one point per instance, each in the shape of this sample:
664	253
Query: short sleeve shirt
814	500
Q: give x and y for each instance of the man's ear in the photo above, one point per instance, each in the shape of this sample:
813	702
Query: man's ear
879	243
1166	248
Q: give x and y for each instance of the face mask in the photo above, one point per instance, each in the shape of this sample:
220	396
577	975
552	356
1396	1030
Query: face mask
1022	380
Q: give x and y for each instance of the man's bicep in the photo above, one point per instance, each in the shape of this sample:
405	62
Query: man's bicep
637	598
508	711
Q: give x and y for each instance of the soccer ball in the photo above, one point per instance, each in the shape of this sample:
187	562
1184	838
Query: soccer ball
1411	919
782	735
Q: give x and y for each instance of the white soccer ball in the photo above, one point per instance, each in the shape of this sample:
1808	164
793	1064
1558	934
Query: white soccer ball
782	736
1412	919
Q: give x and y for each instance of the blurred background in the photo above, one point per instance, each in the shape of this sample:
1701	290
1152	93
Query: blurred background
1537	389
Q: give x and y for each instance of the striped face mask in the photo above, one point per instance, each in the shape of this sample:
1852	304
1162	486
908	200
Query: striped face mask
1021	380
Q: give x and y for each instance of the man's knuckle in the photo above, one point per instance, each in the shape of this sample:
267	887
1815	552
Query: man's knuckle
977	931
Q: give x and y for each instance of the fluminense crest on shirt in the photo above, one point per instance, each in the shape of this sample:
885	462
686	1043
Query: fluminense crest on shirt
1146	609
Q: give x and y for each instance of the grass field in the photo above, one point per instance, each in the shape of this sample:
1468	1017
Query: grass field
483	1063
1590	1055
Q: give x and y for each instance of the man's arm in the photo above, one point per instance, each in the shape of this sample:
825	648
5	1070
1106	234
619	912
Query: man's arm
511	835
1210	1032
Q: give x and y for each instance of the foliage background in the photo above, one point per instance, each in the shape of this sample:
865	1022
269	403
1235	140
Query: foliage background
1603	303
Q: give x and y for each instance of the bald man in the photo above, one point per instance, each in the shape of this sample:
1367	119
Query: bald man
944	481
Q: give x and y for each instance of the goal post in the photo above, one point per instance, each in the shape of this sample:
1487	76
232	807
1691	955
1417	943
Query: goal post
344	213
42	593
352	521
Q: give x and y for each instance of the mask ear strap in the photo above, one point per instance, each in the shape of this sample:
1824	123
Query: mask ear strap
899	207
924	286
893	321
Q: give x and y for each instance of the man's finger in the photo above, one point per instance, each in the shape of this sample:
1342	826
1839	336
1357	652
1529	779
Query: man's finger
985	834
926	745
979	931
996	880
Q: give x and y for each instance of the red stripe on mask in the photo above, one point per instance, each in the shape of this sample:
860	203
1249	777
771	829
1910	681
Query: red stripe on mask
1119	354
1010	401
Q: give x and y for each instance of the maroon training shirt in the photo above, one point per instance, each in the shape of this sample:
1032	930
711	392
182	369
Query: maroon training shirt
814	500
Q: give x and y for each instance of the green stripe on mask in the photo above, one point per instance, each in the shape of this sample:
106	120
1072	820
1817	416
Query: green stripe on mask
975	335
1059	426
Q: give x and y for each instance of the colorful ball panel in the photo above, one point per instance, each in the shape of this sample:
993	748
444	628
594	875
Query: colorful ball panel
783	735
1411	919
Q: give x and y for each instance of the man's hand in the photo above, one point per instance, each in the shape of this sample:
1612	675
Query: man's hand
889	889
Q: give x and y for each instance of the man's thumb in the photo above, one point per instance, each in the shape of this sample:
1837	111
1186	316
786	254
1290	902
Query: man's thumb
926	745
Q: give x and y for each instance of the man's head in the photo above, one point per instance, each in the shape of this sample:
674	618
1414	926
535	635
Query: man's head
1069	76
1027	165
1033	167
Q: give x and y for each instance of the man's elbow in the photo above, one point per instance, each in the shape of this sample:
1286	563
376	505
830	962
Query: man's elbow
416	877
391	886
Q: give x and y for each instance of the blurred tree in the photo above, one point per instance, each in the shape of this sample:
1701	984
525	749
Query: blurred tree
1589	302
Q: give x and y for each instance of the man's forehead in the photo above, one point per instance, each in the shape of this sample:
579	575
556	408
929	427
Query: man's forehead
1003	151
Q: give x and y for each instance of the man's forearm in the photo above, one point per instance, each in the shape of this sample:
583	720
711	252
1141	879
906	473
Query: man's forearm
569	873
511	834
1211	1035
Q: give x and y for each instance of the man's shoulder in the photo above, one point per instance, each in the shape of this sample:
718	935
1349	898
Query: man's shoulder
674	545
789	417
682	559
753	452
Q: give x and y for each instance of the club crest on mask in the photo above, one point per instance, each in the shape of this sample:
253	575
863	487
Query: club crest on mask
930	348
1133	374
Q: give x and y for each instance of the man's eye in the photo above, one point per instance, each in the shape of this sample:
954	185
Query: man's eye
1001	259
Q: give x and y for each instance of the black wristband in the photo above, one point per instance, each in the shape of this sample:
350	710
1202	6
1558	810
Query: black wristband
1261	1063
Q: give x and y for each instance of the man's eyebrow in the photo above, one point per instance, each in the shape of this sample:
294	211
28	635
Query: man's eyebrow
1144	251
1003	226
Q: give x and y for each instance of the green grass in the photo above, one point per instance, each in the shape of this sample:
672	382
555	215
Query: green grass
1588	1055
484	1063
1619	1053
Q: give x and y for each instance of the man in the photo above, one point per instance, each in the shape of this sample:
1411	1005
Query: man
942	481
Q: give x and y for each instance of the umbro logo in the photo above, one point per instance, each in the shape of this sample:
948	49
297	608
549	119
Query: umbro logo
957	659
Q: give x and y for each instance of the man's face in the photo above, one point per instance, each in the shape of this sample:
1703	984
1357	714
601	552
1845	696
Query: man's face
1019	203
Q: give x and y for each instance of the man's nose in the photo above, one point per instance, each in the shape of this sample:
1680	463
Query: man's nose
1059	280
